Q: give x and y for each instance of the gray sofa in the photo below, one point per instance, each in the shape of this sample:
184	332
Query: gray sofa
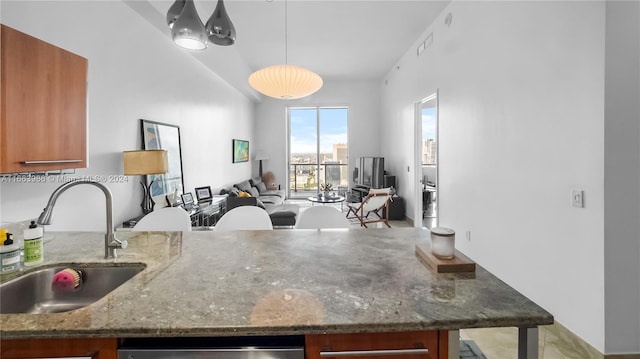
272	200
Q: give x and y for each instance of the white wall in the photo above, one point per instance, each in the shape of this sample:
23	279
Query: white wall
363	100
521	94
134	72
622	178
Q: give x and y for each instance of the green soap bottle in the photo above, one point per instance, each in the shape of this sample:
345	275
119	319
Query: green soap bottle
33	245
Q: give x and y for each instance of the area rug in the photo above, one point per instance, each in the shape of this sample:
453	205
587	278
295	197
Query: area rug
304	204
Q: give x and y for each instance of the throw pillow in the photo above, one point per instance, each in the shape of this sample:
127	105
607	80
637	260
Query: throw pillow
243	194
234	192
243	186
255	180
261	187
253	192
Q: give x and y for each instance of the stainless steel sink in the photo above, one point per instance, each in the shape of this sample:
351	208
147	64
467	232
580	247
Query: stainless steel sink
33	293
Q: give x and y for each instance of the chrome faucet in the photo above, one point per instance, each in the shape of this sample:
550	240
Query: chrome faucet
111	243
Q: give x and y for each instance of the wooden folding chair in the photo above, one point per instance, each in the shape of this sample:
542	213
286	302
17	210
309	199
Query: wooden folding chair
374	202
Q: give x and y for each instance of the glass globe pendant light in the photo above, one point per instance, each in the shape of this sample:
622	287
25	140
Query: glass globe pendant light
220	29
188	31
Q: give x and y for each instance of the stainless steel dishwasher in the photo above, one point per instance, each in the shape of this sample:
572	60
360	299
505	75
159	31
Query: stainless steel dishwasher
276	347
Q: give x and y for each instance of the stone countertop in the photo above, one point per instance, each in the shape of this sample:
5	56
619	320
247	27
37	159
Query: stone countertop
279	282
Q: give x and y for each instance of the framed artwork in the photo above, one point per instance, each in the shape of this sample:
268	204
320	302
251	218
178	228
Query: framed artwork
203	194
187	199
155	136
240	151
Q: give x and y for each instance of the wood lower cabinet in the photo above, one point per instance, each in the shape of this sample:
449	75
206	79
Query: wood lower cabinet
400	345
43	120
396	345
96	348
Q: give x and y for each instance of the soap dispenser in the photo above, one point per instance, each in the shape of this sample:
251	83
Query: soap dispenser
9	253
33	245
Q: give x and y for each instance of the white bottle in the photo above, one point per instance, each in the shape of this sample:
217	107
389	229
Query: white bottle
9	255
33	245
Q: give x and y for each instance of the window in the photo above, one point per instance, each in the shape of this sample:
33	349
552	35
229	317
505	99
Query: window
318	149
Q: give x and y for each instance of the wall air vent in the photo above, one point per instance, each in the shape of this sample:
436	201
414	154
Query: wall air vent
425	44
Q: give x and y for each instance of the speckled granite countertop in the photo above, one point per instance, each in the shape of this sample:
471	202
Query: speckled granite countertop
277	282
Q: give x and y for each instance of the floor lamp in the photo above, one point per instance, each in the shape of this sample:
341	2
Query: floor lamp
142	163
259	157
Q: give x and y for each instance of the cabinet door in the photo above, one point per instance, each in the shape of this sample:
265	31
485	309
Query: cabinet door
95	348
397	345
44	105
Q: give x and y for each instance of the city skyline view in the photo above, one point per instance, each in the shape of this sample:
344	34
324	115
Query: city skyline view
304	129
318	147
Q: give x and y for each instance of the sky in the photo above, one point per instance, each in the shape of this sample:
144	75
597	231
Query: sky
428	123
333	129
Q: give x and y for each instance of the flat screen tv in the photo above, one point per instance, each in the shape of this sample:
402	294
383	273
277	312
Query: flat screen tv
240	151
371	172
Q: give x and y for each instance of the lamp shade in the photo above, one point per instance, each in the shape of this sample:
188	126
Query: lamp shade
145	162
286	82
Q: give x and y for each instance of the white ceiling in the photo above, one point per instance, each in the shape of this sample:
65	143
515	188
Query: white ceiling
340	39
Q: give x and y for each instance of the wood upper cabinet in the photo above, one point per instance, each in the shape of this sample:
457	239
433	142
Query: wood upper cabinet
44	105
396	345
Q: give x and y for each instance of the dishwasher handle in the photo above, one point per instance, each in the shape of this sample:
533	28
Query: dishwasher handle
360	353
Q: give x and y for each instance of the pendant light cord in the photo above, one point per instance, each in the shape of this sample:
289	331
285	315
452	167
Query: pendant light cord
286	52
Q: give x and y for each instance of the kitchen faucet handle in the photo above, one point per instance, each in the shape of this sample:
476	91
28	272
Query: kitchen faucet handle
117	243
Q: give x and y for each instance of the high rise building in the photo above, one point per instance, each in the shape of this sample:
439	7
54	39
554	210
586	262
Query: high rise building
341	155
429	152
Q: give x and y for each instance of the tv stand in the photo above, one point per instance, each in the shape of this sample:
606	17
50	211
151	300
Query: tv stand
358	193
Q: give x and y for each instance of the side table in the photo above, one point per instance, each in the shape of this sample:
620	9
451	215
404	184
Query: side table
396	209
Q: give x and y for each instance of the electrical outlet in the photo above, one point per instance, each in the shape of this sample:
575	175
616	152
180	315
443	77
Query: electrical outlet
469	236
577	198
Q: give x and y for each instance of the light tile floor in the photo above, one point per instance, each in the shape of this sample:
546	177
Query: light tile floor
553	343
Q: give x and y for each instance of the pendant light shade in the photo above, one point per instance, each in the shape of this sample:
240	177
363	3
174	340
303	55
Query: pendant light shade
174	12
285	82
188	31
220	29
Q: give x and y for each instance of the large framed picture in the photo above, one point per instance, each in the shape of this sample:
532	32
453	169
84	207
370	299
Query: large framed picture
240	151
155	136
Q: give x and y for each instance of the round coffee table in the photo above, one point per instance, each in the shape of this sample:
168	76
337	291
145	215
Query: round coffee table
323	200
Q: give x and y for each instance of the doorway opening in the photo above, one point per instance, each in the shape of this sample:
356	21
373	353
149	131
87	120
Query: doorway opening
426	211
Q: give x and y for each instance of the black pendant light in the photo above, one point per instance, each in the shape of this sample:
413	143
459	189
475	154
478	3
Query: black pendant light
219	28
174	12
188	31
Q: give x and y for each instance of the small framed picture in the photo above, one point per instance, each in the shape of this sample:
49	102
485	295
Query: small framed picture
203	194
187	199
240	151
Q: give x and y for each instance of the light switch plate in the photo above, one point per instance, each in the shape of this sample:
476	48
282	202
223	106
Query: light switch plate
577	198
